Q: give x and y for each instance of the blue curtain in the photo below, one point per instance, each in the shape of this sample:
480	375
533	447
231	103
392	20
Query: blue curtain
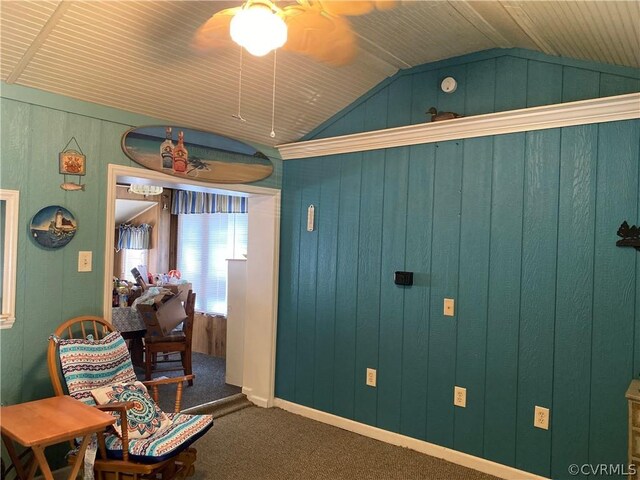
134	237
185	202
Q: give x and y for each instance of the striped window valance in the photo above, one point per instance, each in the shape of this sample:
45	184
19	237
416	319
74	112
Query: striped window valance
134	237
185	202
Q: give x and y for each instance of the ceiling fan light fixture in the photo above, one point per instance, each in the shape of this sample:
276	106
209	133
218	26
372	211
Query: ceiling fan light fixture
258	28
145	190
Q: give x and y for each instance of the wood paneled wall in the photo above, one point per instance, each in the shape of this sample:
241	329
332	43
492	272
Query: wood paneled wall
35	127
210	334
489	81
519	229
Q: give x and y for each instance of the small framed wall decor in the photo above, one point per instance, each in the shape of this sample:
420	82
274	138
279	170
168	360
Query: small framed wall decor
53	226
72	162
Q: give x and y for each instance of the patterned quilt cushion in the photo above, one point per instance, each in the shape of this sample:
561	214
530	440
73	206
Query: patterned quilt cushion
144	419
89	364
183	431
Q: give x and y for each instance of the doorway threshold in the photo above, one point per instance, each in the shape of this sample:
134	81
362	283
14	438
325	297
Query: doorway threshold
220	408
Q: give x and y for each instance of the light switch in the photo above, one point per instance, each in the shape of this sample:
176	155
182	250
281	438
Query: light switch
84	261
449	307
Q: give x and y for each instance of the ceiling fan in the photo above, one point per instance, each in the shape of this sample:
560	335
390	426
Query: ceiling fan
316	28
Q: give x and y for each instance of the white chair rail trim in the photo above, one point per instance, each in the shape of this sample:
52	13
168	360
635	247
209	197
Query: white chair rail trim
583	112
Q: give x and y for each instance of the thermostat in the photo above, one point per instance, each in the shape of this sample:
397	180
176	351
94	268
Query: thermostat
310	215
449	85
403	278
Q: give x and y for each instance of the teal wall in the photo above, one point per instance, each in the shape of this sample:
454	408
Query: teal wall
36	126
489	81
519	229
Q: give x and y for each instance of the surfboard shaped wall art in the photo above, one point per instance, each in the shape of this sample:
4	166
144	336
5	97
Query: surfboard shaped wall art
189	153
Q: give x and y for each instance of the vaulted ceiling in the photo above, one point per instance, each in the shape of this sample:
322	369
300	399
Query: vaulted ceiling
137	56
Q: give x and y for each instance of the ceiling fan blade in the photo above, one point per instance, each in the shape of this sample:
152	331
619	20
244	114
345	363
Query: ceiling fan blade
326	38
385	4
215	31
346	8
351	8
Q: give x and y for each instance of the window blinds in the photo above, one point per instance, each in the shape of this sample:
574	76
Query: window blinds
205	242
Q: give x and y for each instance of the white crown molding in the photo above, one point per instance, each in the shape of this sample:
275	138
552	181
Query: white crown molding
583	112
453	456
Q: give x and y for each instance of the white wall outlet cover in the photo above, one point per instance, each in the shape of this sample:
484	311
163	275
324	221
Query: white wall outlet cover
460	397
541	418
449	85
449	307
371	377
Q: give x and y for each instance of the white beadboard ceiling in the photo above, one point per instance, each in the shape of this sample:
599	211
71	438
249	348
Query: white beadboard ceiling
136	55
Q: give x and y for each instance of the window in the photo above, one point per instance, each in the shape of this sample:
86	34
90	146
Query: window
131	259
205	242
9	200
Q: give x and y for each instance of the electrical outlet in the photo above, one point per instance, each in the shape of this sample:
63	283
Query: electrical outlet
460	397
371	377
84	261
541	418
449	307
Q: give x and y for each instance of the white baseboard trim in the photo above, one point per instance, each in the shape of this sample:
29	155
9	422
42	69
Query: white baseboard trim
256	400
453	456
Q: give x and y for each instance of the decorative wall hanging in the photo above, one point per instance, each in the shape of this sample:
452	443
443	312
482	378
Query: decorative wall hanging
72	162
630	236
437	116
200	155
53	226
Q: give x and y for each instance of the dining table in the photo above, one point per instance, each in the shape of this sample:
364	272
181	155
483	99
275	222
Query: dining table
128	321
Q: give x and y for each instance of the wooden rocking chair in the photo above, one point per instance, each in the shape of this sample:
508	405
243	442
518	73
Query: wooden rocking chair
86	353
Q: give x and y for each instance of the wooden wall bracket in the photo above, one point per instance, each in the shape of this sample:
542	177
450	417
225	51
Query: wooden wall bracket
630	236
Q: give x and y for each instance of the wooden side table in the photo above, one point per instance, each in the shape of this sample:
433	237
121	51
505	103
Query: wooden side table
45	422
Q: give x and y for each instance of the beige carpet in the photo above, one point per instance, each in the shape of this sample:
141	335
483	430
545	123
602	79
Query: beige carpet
208	385
271	444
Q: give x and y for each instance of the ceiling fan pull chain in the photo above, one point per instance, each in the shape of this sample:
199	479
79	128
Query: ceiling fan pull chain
239	115
273	98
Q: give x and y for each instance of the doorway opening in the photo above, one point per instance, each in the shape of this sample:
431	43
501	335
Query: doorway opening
250	340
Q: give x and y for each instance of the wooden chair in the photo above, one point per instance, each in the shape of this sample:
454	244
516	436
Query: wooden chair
127	463
176	342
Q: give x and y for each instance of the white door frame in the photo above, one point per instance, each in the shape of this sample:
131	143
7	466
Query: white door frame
262	270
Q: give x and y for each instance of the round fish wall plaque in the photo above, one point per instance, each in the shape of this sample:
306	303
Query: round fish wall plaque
53	226
188	153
